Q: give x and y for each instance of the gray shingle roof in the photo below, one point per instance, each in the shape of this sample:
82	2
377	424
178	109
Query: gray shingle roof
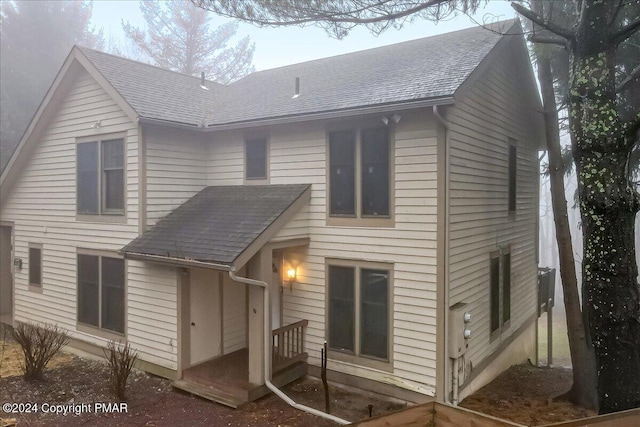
154	92
427	68
217	224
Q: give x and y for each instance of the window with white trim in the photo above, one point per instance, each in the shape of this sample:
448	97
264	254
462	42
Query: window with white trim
100	177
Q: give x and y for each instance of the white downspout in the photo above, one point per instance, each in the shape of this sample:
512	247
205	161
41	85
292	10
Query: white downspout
267	353
455	377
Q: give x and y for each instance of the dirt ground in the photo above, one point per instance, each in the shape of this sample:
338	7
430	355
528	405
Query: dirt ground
152	401
522	394
525	394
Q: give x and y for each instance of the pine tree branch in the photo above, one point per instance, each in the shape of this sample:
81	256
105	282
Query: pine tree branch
537	19
315	14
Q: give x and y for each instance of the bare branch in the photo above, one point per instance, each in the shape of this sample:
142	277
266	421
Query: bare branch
537	19
537	38
634	75
626	32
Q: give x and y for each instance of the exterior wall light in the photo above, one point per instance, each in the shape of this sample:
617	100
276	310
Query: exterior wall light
291	275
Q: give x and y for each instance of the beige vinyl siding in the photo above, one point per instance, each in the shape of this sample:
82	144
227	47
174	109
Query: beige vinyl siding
298	155
152	322
234	309
42	205
497	108
226	159
176	170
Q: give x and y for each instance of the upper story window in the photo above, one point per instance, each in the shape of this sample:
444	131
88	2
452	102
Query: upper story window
513	162
255	154
360	174
100	180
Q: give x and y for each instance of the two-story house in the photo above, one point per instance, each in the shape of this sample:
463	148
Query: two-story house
384	201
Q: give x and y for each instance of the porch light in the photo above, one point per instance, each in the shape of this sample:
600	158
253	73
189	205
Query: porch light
291	275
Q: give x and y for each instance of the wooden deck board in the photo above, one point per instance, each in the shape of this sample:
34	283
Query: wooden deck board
225	380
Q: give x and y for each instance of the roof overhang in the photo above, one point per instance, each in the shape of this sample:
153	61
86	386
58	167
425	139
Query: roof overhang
305	117
247	252
180	262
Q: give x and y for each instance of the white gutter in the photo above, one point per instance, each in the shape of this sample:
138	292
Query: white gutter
174	261
267	353
356	111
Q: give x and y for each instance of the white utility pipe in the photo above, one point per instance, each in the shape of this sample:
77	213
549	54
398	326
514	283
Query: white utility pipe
456	382
267	354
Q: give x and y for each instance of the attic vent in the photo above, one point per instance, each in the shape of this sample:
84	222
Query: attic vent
297	88
202	85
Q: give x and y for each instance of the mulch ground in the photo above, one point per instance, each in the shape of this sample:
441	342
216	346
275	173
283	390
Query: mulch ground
527	395
523	394
151	401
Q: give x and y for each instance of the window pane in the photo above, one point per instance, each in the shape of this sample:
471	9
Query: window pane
513	161
495	293
113	174
506	288
374	313
88	290
256	156
35	266
113	154
113	183
342	173
87	179
341	308
375	172
113	294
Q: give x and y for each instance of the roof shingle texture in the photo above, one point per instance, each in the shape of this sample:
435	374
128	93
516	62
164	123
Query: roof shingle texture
217	224
427	68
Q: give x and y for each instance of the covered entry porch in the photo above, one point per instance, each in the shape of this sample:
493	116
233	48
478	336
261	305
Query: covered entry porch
225	379
231	339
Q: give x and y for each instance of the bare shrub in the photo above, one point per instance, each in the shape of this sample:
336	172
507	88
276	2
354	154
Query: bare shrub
39	344
121	359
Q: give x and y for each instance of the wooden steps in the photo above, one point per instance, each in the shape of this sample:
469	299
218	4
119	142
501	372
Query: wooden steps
213	393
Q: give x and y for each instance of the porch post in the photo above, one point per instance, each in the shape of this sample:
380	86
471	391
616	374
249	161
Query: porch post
259	269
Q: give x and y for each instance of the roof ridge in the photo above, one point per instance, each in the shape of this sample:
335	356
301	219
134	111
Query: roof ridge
84	49
511	21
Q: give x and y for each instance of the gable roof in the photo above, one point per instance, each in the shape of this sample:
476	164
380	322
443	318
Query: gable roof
423	72
154	92
223	225
427	69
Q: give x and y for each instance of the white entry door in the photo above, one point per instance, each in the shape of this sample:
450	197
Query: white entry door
205	315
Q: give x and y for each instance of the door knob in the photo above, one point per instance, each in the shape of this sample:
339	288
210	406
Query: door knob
193	323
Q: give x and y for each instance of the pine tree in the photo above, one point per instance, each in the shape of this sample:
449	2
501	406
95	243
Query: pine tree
180	37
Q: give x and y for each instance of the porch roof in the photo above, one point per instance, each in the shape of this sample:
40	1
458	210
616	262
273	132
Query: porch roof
220	226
